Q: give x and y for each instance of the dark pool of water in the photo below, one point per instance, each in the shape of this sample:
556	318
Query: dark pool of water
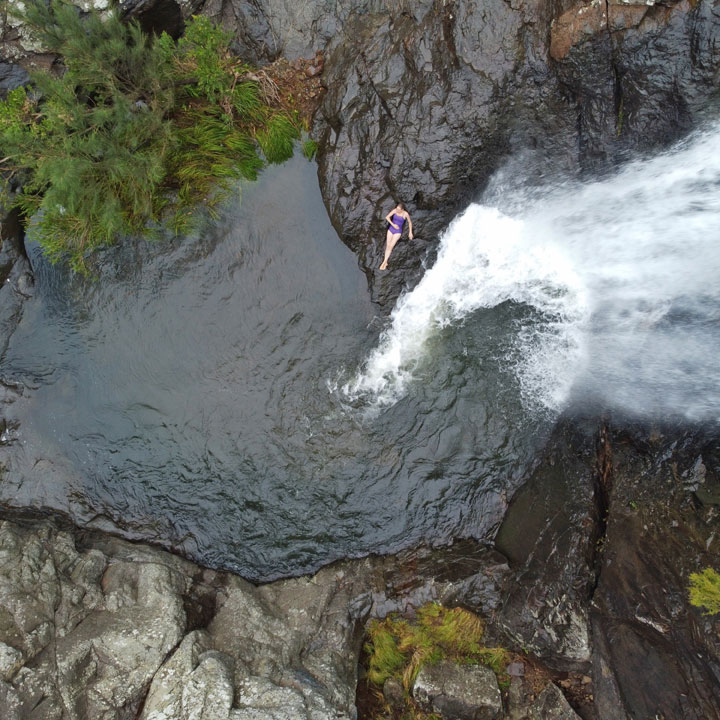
187	396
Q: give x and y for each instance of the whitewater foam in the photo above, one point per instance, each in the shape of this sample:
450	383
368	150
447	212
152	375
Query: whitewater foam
622	271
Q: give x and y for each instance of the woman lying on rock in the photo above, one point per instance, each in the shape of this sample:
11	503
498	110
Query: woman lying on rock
396	219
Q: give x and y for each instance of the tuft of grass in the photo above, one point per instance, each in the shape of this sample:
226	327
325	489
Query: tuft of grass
276	138
704	591
399	648
386	659
309	149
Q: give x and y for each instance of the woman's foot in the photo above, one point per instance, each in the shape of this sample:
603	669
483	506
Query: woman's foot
384	266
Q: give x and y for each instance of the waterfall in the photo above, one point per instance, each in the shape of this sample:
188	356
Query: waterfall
623	272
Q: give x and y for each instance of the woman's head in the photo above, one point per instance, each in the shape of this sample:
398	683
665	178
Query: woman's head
401	206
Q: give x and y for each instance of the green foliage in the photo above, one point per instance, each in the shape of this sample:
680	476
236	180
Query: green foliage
276	139
705	591
399	648
136	131
309	149
382	648
496	658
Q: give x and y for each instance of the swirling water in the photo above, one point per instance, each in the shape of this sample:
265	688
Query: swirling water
183	397
622	273
235	396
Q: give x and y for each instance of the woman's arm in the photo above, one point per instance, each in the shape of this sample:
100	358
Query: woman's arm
389	221
407	215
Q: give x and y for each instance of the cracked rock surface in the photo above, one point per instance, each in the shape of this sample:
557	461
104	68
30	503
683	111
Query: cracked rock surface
96	627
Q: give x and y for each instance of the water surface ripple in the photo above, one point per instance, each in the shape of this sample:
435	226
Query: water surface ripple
191	396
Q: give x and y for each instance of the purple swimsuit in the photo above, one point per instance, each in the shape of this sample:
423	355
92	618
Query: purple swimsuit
398	221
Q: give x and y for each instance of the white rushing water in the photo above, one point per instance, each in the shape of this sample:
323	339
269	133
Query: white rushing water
623	271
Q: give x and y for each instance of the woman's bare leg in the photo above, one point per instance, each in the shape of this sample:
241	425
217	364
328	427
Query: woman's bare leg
390	242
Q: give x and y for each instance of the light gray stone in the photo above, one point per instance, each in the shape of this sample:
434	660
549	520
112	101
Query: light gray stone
462	692
260	699
11	661
551	705
196	682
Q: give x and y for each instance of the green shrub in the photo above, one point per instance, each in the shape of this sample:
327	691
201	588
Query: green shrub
136	131
704	591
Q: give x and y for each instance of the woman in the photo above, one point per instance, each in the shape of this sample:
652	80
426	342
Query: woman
396	219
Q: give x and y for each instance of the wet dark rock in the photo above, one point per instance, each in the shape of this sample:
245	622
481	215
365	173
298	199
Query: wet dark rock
461	692
157	16
423	107
640	74
465	573
25	285
11	77
654	654
548	535
290	649
16	282
601	542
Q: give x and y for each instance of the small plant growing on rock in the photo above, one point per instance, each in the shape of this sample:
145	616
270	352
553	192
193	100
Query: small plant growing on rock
398	648
704	591
309	149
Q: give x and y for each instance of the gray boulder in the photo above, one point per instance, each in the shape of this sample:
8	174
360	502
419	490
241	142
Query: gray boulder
551	704
196	682
459	692
83	636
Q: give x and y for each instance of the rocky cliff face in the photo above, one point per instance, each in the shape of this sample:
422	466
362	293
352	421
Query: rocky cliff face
426	100
99	628
601	541
96	627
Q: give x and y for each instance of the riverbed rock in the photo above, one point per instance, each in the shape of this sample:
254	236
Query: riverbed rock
95	626
549	535
422	107
91	633
551	704
461	692
11	77
655	654
99	627
426	104
601	542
